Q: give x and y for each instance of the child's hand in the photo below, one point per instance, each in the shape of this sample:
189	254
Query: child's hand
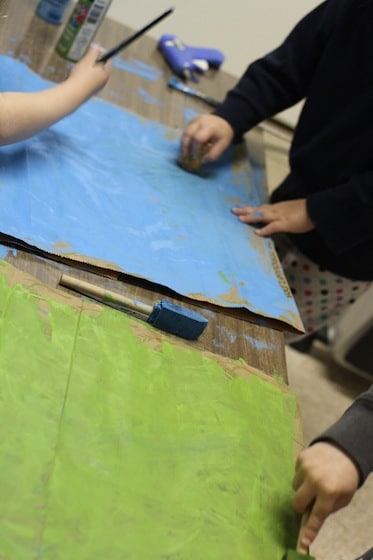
206	130
88	75
325	481
290	216
23	115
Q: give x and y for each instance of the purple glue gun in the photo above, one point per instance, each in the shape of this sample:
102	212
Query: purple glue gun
186	61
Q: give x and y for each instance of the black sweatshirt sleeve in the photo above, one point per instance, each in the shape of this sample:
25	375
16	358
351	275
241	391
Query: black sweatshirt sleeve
353	433
281	78
354	200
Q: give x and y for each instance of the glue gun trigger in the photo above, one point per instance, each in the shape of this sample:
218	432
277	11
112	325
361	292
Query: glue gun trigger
188	73
197	66
200	64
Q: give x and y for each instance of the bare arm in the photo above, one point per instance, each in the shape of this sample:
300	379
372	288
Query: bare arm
23	115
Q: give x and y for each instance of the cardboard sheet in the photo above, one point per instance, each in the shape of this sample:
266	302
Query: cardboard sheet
116	443
102	186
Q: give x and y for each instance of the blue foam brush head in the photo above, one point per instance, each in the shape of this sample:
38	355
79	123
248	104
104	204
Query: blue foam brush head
178	320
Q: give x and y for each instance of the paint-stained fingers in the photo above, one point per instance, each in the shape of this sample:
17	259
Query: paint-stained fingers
242	211
269	220
254	215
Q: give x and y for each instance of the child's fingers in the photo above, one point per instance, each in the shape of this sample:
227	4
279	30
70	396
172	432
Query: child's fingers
320	511
214	149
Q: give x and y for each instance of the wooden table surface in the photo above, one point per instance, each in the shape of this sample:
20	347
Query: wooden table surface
25	36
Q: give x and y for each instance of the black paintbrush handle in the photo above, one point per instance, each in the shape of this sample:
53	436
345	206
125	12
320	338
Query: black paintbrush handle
209	100
175	83
133	37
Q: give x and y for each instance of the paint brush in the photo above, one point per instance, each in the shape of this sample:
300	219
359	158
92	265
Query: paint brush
300	552
129	40
165	315
177	84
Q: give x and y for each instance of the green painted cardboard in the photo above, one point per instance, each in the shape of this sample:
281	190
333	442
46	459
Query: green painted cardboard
118	442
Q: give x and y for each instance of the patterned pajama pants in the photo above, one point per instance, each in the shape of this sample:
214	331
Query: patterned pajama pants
321	296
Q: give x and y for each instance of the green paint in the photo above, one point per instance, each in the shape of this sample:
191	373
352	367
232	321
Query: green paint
112	448
224	277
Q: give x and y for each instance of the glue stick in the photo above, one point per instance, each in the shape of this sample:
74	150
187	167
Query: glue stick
81	28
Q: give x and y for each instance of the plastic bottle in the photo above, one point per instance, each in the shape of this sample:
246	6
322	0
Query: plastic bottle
81	28
52	10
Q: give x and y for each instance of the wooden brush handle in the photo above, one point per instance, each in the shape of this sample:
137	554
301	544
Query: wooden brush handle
104	295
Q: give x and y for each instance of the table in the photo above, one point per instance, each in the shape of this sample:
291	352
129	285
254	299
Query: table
25	36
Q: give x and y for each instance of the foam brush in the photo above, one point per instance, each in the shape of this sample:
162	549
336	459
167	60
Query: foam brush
165	315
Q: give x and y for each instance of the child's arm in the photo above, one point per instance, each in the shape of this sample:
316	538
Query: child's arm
23	115
329	472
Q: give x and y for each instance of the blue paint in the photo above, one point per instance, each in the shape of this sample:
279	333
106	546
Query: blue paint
256	178
137	67
226	333
189	114
260	344
253	342
147	97
114	95
25	58
103	183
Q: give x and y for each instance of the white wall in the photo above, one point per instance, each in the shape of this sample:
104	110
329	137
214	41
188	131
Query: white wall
242	29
